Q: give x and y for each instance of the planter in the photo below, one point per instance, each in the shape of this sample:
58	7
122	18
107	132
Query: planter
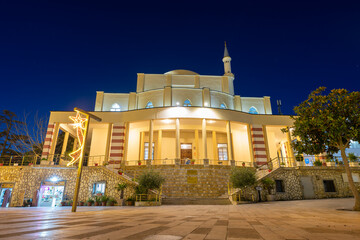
270	197
147	204
103	204
30	164
44	162
96	204
16	164
354	164
300	163
330	164
63	203
111	203
96	164
120	173
89	204
129	203
81	203
1	164
139	163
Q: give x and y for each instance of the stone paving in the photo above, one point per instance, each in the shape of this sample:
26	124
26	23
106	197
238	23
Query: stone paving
307	219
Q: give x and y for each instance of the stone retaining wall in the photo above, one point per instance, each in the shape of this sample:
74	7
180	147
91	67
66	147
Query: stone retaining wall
28	180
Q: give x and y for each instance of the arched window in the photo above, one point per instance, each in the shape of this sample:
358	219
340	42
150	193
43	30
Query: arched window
223	106
115	108
187	103
253	110
149	105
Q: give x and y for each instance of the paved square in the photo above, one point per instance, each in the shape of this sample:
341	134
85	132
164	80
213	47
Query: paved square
308	219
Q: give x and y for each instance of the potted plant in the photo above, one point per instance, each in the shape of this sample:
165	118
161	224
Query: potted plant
353	160
81	203
111	201
90	202
120	188
192	161
268	185
97	201
139	162
120	172
300	160
63	203
243	164
103	200
130	201
318	163
70	202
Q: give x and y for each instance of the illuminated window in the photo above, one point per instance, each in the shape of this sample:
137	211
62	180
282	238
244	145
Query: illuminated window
149	105
222	151
146	151
187	103
98	188
223	106
253	110
115	108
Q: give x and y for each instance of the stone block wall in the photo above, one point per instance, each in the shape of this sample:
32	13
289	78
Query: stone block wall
28	180
186	181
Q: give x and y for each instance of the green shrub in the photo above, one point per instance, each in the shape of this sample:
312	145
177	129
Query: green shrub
242	177
268	184
150	180
352	157
318	163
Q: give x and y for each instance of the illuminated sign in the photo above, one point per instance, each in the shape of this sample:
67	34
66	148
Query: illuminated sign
80	128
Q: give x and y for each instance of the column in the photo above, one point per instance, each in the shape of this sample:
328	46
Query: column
142	146
229	140
177	134
291	152
64	146
215	149
258	141
158	145
117	143
151	139
197	144
204	140
54	141
48	140
107	149
251	148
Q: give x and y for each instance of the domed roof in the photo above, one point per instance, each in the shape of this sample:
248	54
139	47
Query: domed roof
181	72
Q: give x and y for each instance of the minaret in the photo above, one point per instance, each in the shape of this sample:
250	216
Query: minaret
227	63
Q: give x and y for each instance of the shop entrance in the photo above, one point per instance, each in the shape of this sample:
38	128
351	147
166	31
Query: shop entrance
51	194
5	194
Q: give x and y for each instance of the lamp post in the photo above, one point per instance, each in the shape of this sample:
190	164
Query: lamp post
81	157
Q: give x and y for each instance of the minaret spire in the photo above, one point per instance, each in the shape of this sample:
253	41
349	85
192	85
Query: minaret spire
227	64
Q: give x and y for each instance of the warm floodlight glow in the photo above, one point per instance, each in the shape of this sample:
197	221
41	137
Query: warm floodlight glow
205	104
177	104
54	179
210	121
79	125
167	121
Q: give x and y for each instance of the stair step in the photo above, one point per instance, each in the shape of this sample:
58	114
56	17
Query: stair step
196	201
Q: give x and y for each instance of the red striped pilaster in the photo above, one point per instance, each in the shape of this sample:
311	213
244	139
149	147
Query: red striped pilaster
117	143
258	142
48	140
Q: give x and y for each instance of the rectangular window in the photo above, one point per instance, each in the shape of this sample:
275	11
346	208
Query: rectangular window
329	186
98	188
222	151
279	186
146	150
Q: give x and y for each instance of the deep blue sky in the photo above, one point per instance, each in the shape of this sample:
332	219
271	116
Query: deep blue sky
54	55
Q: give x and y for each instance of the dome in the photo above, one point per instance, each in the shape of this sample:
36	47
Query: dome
181	72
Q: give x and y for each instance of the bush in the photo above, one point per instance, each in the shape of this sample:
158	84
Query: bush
268	184
150	180
318	163
352	157
242	177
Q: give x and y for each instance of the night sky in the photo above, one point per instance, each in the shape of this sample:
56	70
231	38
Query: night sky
55	55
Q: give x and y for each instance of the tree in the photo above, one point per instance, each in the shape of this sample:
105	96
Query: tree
8	136
120	188
150	180
31	134
327	123
242	177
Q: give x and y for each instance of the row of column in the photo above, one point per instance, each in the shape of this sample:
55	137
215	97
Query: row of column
177	137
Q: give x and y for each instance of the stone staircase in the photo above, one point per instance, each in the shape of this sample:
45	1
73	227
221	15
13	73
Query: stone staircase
196	201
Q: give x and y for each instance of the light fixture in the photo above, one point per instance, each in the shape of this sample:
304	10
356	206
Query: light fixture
205	104
210	121
167	121
54	179
177	104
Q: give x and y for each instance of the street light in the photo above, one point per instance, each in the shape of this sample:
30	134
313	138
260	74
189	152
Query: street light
79	154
